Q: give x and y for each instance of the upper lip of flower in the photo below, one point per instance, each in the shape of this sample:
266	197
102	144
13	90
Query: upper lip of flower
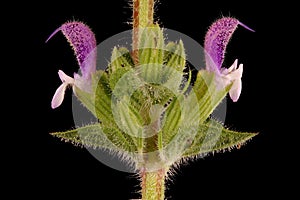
83	41
216	40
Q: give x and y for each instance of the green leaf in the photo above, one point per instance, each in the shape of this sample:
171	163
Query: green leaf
213	137
96	136
90	136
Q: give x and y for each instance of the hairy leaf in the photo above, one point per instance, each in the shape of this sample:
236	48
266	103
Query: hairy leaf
96	136
213	137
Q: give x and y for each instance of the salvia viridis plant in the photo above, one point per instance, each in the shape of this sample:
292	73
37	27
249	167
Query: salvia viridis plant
149	109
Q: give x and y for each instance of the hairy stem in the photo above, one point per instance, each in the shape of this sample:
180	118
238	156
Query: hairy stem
153	184
143	11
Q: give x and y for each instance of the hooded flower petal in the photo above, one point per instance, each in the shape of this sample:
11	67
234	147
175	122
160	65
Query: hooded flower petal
216	40
60	92
83	41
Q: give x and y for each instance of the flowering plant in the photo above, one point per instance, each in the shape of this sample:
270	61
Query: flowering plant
149	109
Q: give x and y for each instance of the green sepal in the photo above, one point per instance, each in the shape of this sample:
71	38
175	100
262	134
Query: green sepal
209	91
88	99
120	58
129	120
174	64
171	122
151	45
174	56
151	50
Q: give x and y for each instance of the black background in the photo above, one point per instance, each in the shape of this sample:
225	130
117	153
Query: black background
44	166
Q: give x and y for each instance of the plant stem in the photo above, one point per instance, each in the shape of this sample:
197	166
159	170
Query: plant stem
153	184
143	11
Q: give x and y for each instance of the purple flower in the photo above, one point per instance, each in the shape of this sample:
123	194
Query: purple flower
83	41
216	40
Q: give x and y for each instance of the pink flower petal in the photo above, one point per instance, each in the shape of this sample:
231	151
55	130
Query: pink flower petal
65	78
235	90
60	92
59	96
233	66
236	74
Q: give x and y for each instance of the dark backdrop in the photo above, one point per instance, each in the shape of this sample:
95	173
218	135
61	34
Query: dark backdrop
47	167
